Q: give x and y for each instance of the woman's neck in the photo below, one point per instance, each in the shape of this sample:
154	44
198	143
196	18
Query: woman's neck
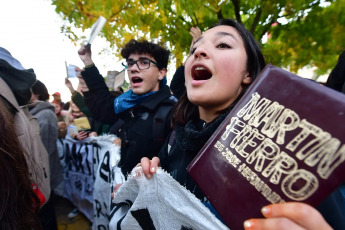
208	114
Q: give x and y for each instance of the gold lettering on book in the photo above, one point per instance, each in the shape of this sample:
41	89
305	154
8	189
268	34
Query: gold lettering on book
258	135
232	158
259	185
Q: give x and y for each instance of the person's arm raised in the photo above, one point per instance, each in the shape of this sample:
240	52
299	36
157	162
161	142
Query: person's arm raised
85	55
69	85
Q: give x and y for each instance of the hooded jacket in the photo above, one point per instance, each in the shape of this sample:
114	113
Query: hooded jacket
15	82
47	120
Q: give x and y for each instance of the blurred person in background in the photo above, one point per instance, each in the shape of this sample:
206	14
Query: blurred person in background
44	111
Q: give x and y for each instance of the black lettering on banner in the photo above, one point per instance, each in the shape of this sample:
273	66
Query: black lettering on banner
74	157
78	157
88	187
78	185
186	228
99	209
101	227
104	171
96	152
144	219
70	161
87	162
141	215
126	204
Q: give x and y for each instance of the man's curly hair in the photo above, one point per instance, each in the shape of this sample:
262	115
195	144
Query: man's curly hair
159	53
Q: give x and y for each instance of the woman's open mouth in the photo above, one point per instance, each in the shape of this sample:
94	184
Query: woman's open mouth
200	73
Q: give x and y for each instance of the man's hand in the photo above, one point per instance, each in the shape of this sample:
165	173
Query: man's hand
85	55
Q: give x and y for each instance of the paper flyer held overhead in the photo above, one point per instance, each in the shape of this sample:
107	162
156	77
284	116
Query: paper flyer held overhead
95	29
71	71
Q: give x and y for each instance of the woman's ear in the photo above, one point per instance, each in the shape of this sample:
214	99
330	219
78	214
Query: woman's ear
246	79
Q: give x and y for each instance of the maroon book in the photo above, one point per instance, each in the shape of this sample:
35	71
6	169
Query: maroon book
283	141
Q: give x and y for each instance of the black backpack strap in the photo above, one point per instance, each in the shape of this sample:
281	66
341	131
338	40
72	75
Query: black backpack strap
171	140
159	123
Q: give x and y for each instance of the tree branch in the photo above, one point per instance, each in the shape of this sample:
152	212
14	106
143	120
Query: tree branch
256	20
125	7
266	28
237	10
219	14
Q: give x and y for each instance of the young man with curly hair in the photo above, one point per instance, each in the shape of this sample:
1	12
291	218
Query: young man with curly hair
145	109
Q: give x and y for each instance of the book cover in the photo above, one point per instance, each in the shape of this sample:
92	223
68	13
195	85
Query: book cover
283	141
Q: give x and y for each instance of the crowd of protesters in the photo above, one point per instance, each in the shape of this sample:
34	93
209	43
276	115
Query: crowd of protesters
222	64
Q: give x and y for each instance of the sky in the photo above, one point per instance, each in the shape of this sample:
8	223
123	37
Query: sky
30	31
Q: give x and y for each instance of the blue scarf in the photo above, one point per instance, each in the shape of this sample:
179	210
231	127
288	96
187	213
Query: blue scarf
129	99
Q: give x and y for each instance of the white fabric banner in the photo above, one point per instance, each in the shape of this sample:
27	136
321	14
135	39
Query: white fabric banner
158	203
106	159
91	173
79	179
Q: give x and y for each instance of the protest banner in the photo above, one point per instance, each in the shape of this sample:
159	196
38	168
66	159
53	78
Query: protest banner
107	174
159	203
79	173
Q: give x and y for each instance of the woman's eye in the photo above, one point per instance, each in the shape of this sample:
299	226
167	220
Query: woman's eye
223	45
192	50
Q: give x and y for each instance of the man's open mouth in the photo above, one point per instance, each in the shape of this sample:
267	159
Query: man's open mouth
136	80
200	73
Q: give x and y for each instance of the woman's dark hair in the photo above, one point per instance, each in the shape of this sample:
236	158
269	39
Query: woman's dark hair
159	53
19	205
41	90
184	110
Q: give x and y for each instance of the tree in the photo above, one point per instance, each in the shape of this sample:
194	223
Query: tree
307	33
315	39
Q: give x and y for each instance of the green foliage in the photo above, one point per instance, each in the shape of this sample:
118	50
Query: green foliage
316	39
309	34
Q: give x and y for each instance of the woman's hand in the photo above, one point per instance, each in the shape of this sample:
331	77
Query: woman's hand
81	135
117	141
93	134
149	166
116	187
291	215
